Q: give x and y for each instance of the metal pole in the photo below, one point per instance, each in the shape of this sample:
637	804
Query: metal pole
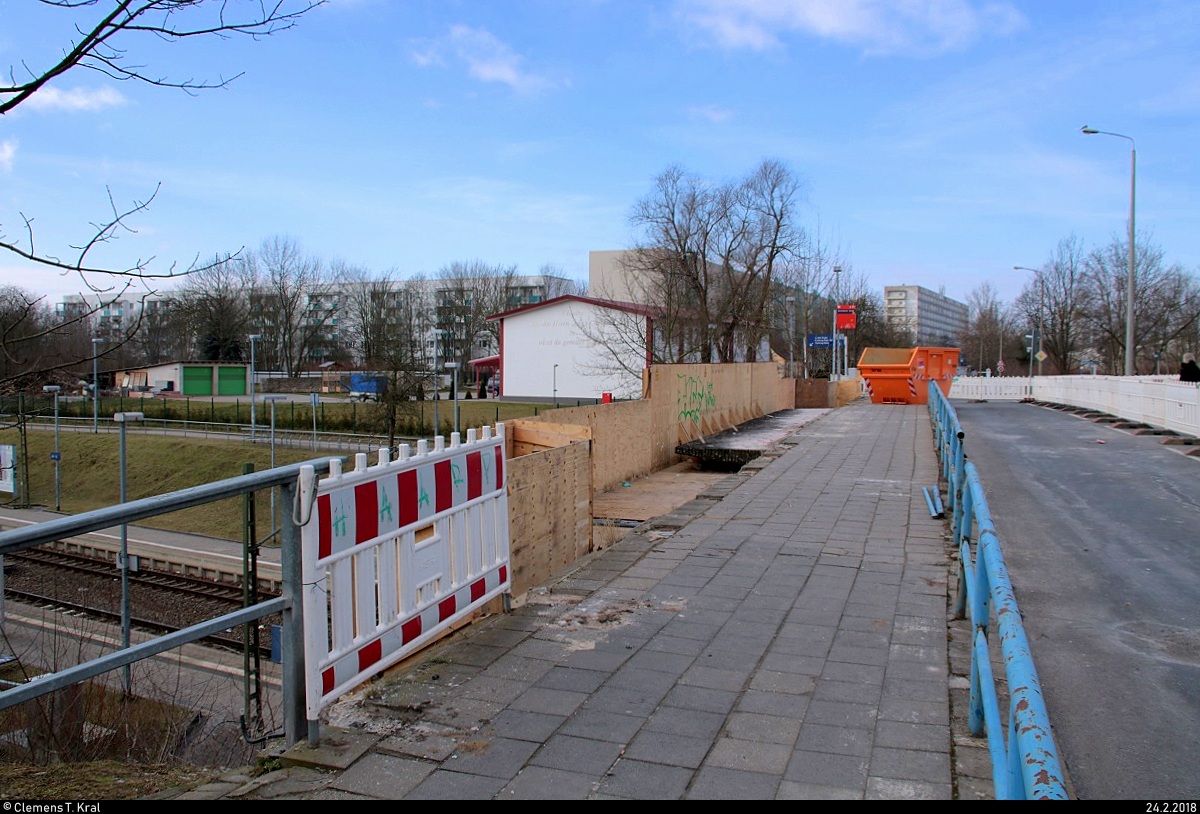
57	460
53	389
253	338
124	573
1130	351
95	385
554	379
295	724
1041	320
456	398
437	375
791	301
123	419
1130	367
274	525
833	351
804	339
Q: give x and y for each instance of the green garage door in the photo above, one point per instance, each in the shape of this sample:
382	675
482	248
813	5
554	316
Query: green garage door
197	380
231	381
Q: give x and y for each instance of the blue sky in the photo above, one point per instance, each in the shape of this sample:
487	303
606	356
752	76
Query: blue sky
938	141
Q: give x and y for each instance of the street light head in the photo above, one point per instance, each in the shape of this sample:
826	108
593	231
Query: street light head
1088	131
452	366
126	417
50	388
255	337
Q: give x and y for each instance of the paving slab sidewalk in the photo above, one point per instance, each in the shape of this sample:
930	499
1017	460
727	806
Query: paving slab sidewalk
784	635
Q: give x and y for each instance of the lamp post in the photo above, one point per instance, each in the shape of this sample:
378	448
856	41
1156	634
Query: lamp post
437	375
833	355
791	301
1041	325
57	456
1129	349
253	339
554	384
123	419
272	399
453	368
96	341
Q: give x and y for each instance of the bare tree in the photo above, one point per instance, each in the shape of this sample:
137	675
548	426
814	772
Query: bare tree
367	313
293	302
467	293
982	346
1053	305
809	277
557	284
215	308
106	34
1163	295
707	258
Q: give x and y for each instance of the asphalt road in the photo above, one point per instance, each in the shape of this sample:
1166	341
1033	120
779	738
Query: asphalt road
1099	532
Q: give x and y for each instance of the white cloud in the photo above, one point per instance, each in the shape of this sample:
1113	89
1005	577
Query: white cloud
919	27
8	149
710	114
486	58
74	100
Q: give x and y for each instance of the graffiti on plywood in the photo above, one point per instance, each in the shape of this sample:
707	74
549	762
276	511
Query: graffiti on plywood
692	397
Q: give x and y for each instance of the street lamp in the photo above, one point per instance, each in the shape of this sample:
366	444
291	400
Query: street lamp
453	368
57	456
1129	349
1040	320
554	384
123	419
437	375
253	338
272	399
96	341
791	301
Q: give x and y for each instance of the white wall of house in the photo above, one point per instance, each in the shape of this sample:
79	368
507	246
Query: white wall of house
537	339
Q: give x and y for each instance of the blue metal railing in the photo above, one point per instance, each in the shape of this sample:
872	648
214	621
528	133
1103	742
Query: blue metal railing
1025	766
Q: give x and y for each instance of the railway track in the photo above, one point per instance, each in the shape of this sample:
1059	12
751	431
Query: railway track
159	602
169	581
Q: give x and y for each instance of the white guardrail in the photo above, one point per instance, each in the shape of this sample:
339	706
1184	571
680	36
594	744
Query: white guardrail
1160	401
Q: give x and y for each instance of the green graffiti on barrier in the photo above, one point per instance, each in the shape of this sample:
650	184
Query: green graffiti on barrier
692	397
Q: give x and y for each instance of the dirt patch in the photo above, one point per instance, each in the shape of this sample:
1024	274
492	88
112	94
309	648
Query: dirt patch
96	780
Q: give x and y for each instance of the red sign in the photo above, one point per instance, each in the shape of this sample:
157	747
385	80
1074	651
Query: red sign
847	317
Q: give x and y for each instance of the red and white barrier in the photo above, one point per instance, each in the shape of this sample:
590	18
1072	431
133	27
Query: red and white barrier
394	553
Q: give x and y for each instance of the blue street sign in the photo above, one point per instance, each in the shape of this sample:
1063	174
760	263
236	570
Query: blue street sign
825	340
56	456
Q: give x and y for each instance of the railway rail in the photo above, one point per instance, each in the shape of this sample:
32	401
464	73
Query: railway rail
160	602
204	558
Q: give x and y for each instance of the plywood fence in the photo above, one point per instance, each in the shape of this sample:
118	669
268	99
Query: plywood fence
631	439
550	511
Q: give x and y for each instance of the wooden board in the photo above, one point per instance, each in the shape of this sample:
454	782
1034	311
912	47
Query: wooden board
654	495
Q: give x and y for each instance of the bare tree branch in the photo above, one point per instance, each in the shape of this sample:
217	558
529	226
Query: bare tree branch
100	45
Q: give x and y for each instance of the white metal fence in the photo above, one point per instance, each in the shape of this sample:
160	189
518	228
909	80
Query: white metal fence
1160	401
